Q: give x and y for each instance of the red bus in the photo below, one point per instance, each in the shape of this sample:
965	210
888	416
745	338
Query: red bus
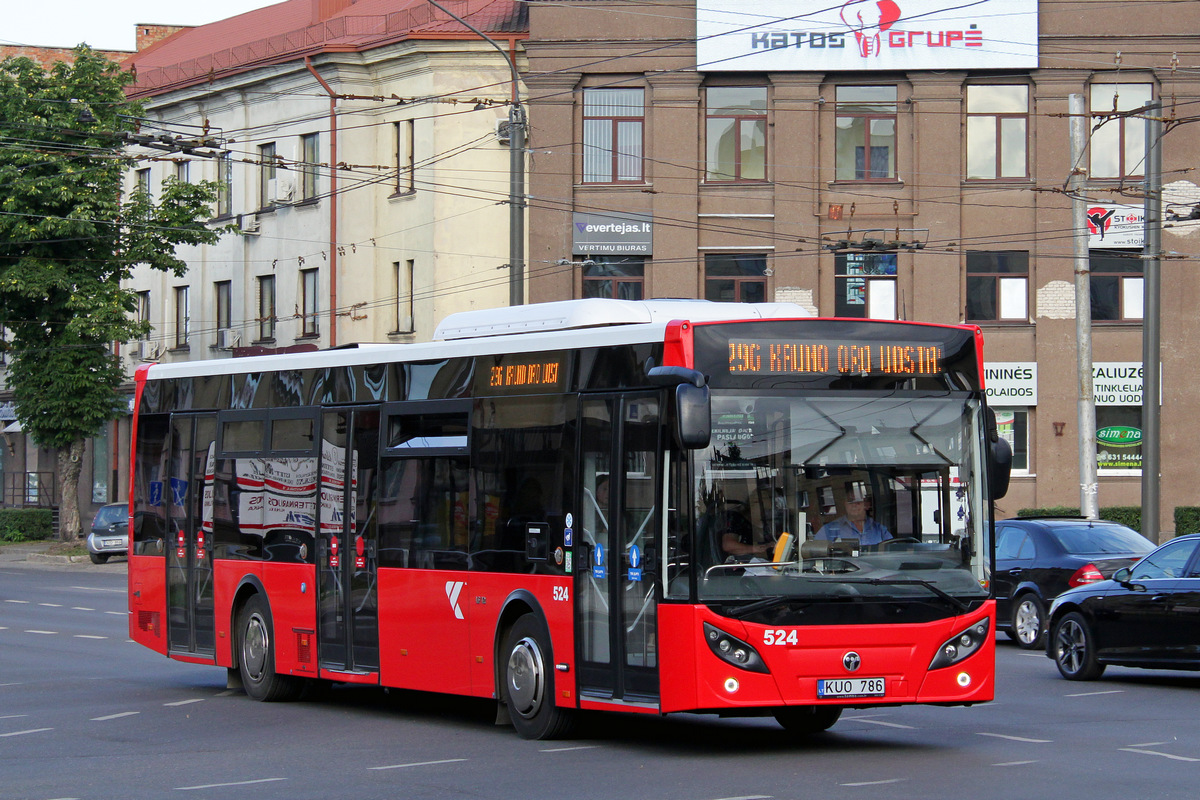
652	507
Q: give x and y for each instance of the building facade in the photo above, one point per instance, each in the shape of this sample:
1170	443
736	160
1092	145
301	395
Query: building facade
889	160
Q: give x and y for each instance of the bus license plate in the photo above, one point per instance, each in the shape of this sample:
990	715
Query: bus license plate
851	687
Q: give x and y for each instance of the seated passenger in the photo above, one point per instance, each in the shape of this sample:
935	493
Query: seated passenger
737	537
855	523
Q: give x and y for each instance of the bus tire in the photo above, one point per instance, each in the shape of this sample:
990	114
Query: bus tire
256	655
527	682
806	720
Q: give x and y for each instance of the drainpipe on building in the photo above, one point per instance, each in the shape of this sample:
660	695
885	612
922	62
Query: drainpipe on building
333	198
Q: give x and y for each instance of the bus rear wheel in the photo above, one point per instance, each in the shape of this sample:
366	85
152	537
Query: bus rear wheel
527	682
808	719
256	656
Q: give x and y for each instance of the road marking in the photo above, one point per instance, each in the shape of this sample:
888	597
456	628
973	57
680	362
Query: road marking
51	605
89	636
1033	655
19	602
115	716
1093	694
565	749
1152	744
22	733
749	797
420	764
44	633
222	785
99	589
1156	753
228	692
1014	763
184	702
125	614
882	722
81	608
18	716
874	783
1017	738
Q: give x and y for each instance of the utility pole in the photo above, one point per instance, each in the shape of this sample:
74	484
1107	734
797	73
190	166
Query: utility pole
516	169
1151	256
1089	503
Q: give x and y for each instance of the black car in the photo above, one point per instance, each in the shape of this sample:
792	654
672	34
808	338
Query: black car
1038	559
1147	615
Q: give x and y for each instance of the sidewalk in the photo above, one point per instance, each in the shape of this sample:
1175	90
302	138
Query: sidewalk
19	553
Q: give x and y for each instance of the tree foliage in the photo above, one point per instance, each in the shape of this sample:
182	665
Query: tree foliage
69	237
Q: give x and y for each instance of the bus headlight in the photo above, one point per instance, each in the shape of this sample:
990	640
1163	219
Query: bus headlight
733	650
961	645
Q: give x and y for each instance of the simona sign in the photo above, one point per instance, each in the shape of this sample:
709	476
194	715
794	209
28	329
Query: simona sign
820	36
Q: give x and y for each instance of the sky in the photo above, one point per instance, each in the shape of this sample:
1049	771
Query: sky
105	24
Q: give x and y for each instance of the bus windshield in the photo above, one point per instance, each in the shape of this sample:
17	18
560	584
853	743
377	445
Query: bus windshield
872	497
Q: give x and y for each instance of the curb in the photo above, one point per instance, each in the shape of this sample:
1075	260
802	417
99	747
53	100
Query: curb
43	558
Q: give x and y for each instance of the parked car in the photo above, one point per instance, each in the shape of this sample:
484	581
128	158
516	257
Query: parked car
110	533
1147	615
1039	558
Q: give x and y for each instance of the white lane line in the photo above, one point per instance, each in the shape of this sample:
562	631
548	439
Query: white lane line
22	733
566	749
1014	763
118	613
19	602
44	633
1093	694
184	702
1156	753
18	716
81	608
882	722
222	785
1033	655
115	716
749	797
874	783
1152	744
98	589
1016	738
420	764
51	605
89	636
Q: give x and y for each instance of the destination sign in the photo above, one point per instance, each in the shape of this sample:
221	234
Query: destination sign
763	356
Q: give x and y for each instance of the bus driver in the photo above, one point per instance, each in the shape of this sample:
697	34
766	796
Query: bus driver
855	524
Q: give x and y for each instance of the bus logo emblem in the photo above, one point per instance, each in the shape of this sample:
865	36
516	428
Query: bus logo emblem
852	661
453	589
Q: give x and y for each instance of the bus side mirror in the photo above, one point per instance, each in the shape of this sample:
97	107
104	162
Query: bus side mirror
693	416
1000	469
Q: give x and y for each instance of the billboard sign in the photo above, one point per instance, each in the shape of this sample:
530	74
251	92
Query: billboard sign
1112	225
856	35
612	233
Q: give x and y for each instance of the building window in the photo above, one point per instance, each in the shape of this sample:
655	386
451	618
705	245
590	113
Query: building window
616	277
1118	144
1012	424
224	185
181	170
309	294
310	147
182	316
1116	285
100	466
997	122
142	176
223	299
998	286
404	295
866	133
406	165
143	307
266	308
736	133
266	175
735	277
865	285
612	135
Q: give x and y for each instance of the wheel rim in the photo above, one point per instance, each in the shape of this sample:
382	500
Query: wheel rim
1072	646
254	647
1028	622
526	677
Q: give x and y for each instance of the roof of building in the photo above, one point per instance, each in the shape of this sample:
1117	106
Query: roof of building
297	28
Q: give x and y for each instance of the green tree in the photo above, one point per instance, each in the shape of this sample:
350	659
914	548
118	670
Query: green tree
68	238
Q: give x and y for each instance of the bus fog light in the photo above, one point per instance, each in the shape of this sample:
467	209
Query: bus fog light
964	679
961	645
732	685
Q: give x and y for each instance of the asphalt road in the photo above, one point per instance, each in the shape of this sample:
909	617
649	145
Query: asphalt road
84	713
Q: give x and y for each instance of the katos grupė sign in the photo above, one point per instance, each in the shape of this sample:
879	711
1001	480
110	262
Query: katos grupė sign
855	35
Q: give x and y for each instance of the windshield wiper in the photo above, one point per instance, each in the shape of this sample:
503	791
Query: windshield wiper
759	605
949	598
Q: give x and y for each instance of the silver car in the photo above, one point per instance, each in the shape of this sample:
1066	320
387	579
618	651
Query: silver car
110	533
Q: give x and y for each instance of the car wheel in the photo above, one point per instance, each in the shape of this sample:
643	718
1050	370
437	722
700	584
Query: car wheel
527	682
1028	621
1075	649
808	719
98	558
256	656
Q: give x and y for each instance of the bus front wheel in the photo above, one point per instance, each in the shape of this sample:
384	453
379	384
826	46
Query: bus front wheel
527	682
808	719
256	655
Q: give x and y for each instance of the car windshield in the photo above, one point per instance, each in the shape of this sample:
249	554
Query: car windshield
833	495
110	515
1100	540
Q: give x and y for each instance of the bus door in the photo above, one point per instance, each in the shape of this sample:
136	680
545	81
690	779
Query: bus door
188	496
347	546
617	573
